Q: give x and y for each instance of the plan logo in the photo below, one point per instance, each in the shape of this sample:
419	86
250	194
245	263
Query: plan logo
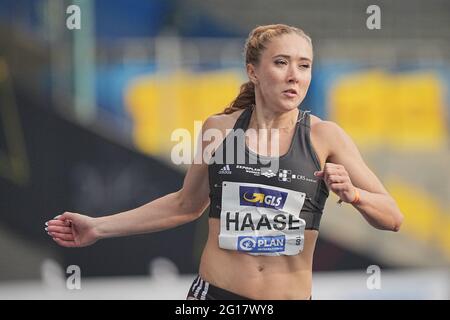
262	244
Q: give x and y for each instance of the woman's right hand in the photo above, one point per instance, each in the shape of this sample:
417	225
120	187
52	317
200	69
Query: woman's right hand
72	230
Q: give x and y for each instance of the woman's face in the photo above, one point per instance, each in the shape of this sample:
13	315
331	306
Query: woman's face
283	74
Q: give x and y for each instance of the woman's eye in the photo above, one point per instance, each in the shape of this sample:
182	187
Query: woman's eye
305	66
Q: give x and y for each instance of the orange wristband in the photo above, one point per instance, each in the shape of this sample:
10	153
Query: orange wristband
357	197
354	201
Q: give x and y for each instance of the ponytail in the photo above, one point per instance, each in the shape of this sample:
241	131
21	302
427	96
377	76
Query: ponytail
245	98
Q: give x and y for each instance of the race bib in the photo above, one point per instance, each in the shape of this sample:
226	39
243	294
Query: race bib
261	220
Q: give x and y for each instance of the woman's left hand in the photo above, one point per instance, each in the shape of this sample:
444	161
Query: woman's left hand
338	181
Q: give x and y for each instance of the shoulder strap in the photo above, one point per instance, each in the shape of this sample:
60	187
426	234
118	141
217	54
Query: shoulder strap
244	119
304	118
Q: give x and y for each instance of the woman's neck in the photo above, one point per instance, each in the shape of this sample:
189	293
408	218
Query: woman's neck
264	118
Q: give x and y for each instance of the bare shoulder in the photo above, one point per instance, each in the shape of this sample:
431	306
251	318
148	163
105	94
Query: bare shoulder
327	134
325	128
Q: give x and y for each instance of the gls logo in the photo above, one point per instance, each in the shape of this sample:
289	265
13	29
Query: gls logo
261	197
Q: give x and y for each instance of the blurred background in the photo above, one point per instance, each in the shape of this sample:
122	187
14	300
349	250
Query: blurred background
86	117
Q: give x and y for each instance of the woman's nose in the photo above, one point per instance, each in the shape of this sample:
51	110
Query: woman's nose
293	76
293	79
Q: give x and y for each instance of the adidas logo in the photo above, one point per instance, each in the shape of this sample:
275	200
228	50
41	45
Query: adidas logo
225	170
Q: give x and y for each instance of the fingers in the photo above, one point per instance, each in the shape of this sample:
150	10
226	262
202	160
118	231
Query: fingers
61	223
319	174
65	243
68	215
337	180
332	170
333	166
59	229
336	169
62	236
65	216
331	179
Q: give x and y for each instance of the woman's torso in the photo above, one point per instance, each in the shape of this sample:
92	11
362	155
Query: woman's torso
269	277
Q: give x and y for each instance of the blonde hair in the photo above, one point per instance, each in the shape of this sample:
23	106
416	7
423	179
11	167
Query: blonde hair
254	46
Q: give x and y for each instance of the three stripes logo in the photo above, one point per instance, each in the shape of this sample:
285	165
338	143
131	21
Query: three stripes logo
225	170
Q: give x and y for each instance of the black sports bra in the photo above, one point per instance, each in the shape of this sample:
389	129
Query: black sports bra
293	171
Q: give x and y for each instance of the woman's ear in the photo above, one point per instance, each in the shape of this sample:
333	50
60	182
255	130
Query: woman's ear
251	72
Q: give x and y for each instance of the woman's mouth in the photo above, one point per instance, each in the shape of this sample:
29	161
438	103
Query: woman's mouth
290	93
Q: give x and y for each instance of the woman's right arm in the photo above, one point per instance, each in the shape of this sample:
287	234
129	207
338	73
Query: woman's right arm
187	204
164	213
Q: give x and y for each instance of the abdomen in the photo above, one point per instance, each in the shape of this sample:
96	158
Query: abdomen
258	277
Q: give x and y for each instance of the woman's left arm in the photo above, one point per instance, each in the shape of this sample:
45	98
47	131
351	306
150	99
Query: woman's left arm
347	175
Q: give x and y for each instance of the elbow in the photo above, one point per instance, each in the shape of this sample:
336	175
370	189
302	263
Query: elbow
189	208
397	223
397	217
195	213
200	209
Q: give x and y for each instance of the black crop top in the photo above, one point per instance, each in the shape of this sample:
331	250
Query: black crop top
293	170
